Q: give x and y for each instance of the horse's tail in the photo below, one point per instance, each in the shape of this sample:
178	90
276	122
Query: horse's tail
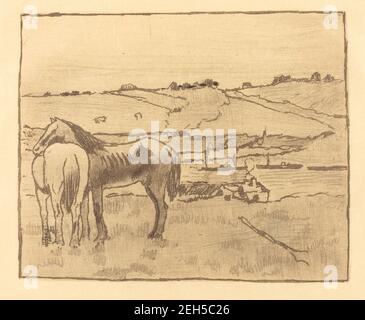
173	181
71	176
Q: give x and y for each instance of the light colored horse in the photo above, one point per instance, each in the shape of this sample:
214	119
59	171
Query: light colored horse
60	174
110	167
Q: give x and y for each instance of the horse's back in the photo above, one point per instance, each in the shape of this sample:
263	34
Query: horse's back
67	149
66	165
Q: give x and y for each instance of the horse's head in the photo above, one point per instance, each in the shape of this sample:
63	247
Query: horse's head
56	132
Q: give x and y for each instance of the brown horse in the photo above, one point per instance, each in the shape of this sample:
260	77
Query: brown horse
109	166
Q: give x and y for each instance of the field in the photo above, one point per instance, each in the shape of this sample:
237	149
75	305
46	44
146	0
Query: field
306	210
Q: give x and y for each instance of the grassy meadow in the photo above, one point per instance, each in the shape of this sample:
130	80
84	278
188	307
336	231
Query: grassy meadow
205	238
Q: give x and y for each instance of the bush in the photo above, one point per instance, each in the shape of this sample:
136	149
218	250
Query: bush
173	86
186	85
316	76
246	85
328	78
280	79
210	83
72	93
128	86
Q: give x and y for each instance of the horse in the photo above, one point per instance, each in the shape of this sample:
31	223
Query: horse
110	166
60	173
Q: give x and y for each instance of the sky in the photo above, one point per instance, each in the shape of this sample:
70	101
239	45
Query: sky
103	52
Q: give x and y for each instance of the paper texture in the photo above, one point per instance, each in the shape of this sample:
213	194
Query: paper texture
242	175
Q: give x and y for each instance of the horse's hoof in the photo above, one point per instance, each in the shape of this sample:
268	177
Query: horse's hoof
60	243
99	247
84	240
74	244
158	236
151	235
87	237
102	238
155	236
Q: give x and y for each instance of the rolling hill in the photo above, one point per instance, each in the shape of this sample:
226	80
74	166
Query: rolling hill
310	114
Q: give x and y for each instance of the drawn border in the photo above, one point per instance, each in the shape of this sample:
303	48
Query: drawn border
60	14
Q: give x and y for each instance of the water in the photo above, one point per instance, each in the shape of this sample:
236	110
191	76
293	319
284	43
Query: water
286	182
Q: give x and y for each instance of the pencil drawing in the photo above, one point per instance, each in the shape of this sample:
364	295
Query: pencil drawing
176	146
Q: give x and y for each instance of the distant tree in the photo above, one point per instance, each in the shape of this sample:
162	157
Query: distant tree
246	85
186	85
209	82
206	83
87	92
128	86
72	93
316	76
280	79
47	94
173	86
328	78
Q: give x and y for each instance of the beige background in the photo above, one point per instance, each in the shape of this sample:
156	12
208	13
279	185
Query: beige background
13	287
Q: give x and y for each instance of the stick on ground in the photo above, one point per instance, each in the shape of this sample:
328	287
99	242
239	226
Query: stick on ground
275	241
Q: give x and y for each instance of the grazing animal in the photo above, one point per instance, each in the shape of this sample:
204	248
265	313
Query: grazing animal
110	167
138	115
100	119
60	173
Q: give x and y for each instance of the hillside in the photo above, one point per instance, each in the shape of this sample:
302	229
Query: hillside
323	97
324	102
291	128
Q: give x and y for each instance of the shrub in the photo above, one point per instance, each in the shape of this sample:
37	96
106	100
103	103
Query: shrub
328	78
280	79
128	86
316	76
173	86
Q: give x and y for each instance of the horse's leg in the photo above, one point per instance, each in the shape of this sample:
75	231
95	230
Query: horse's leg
42	201
58	214
151	195
75	214
97	194
156	191
85	233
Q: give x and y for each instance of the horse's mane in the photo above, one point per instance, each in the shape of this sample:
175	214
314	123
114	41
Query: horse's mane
85	139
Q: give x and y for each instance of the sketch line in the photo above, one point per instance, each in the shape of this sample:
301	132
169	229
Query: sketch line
270	238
